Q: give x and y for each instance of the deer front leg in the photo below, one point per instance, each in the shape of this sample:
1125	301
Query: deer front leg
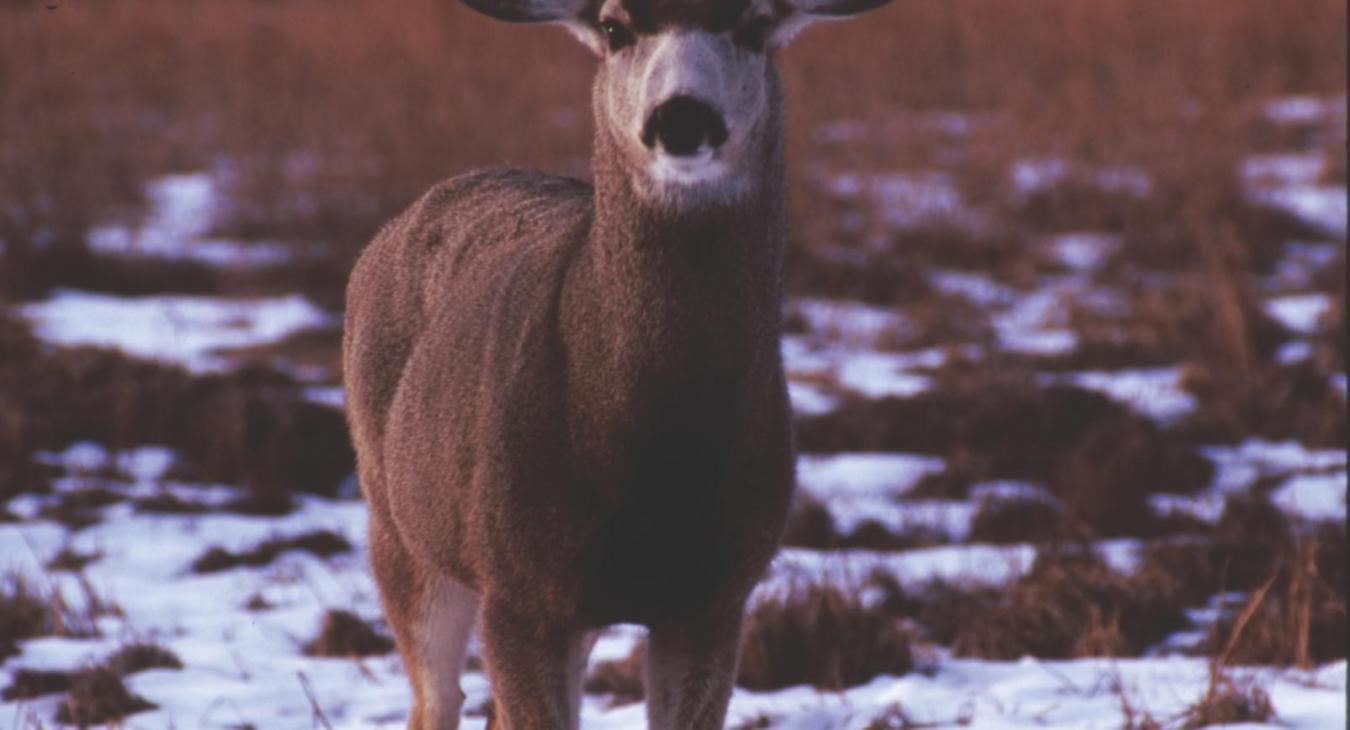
535	666
691	667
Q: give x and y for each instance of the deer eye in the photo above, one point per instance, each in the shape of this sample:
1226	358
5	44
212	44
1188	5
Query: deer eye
617	37
754	34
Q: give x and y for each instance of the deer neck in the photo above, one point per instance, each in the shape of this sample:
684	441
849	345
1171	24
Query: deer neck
681	295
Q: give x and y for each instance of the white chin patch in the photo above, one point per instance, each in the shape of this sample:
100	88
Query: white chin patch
692	170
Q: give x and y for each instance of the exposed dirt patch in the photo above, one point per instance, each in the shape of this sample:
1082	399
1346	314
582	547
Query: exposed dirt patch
1276	402
168	503
252	426
1100	459
98	696
819	635
1229	703
1006	521
345	635
1244	549
1071	604
29	683
321	543
141	656
72	560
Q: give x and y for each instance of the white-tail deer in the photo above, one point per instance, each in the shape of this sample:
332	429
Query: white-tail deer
567	399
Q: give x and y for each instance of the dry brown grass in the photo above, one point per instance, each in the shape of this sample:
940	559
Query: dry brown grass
345	635
98	696
29	610
1071	604
320	543
820	635
253	426
1097	457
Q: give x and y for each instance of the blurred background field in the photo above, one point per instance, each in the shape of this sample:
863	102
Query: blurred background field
1066	341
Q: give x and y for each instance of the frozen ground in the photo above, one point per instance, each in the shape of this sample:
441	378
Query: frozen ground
245	667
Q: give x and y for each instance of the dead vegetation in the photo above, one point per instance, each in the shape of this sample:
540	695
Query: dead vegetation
1230	703
251	426
72	560
130	659
29	611
1072	604
820	635
1004	521
98	696
345	635
320	543
1098	458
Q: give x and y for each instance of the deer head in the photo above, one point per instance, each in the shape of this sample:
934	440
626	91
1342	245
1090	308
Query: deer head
686	94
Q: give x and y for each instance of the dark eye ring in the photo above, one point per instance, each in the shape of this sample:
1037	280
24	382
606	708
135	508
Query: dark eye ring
616	35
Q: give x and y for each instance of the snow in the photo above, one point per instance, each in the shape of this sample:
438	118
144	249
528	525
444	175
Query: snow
808	399
1304	109
187	331
246	666
869	487
912	199
1084	252
849	323
865	372
1300	263
331	396
1284	169
975	564
1034	175
864	473
1236	469
1300	313
1313	496
1154	392
1323	206
1030	325
183	211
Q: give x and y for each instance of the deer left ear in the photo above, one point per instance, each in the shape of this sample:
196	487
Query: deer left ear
529	11
570	13
797	14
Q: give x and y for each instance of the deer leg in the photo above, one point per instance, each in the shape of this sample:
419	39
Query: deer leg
536	668
432	617
691	667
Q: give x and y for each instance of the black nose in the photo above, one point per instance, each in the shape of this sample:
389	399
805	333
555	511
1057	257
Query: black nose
682	125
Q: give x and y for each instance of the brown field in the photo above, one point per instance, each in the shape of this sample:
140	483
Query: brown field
326	117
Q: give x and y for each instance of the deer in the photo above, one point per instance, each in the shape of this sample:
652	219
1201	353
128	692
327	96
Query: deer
567	398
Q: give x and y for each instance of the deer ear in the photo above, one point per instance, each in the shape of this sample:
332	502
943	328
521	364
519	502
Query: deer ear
801	13
571	13
530	11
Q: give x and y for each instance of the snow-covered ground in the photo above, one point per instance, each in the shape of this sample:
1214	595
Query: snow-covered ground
187	331
246	667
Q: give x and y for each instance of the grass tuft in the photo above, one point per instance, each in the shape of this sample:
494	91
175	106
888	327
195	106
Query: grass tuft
820	635
344	635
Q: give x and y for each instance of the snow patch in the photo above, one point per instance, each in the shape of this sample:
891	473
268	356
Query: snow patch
187	331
